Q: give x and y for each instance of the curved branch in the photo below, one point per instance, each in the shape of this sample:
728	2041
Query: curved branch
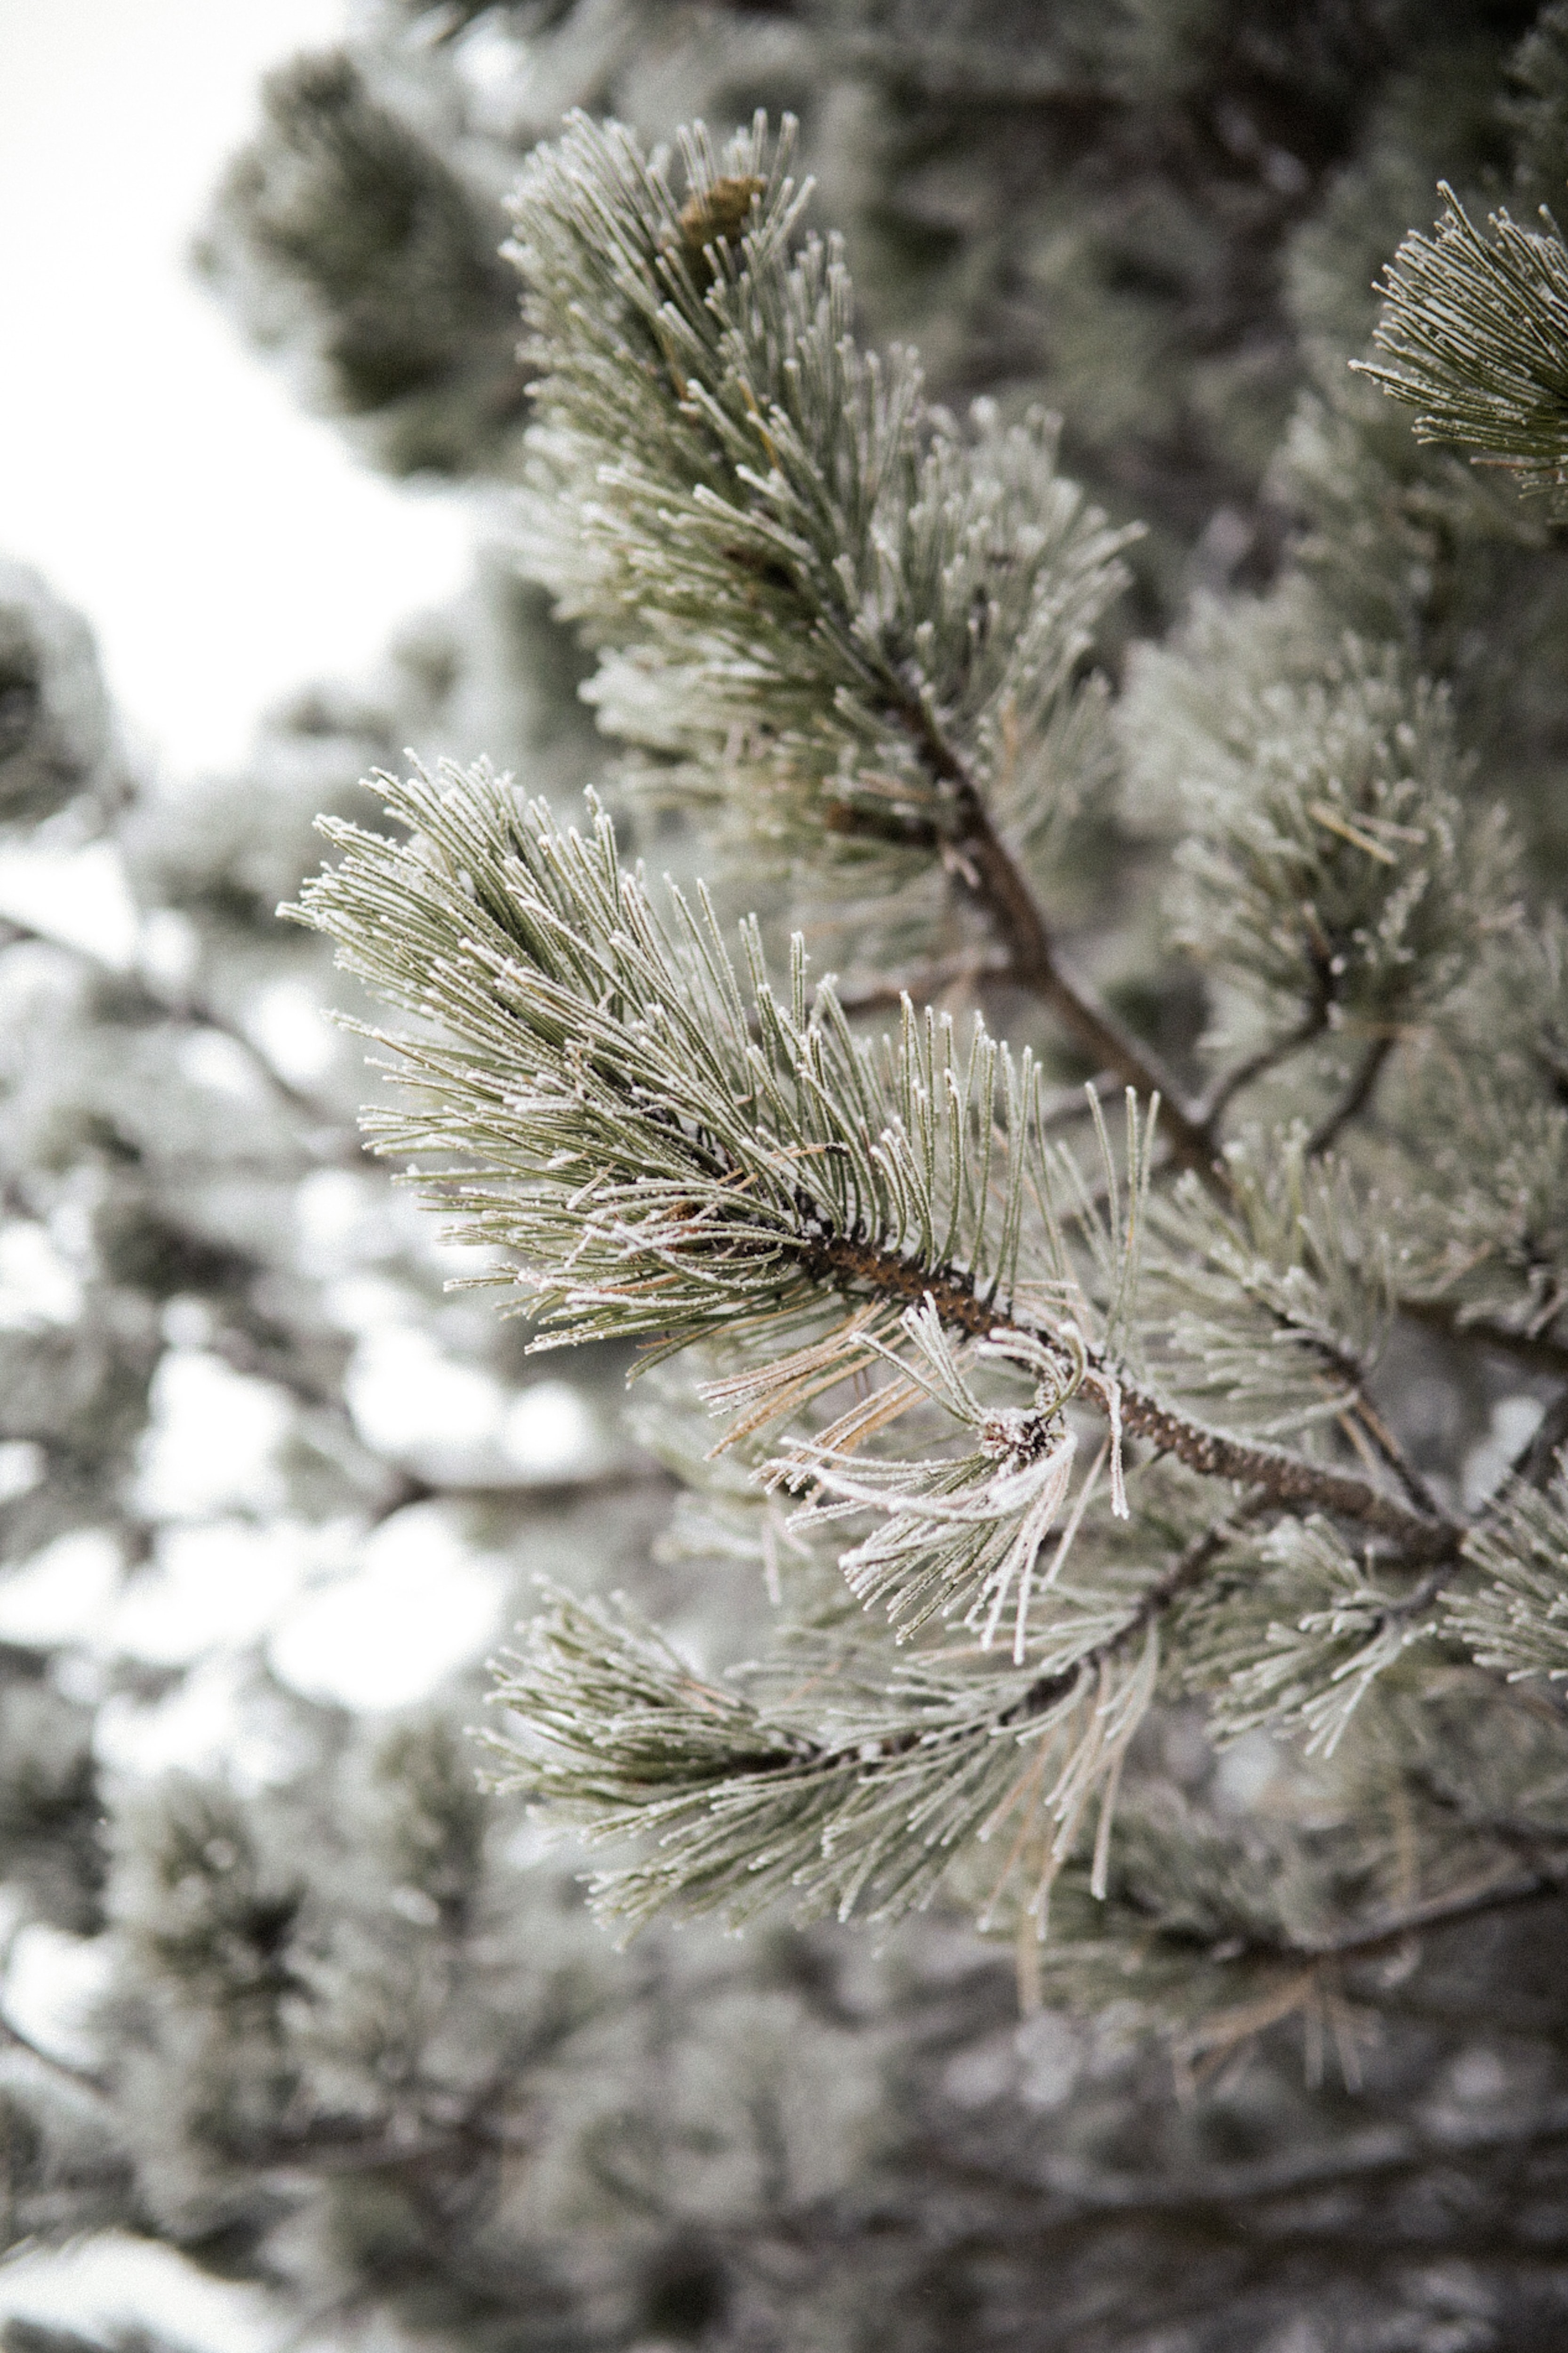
1356	1097
1257	1066
975	854
1284	1478
1190	1564
1365	1414
1438	1912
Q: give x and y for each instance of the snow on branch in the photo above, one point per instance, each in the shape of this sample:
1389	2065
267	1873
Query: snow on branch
668	1153
856	633
1514	1617
844	615
737	1805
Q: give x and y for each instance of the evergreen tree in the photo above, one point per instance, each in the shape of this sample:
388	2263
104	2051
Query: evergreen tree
1127	1456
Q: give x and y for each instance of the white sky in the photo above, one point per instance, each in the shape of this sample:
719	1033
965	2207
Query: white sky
224	548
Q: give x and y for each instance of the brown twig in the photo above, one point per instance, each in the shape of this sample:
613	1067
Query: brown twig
1257	1066
1285	1478
1393	1455
976	855
1356	1097
1189	1566
1373	1937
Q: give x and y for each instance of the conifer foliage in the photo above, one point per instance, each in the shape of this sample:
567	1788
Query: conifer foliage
859	625
1043	1054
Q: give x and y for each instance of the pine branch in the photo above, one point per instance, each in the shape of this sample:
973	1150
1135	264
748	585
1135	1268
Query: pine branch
855	631
675	1157
672	1160
976	854
1485	1252
1475	331
1275	1301
1336	869
1285	1478
1516	1621
743	1807
1294	1638
1363	1940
